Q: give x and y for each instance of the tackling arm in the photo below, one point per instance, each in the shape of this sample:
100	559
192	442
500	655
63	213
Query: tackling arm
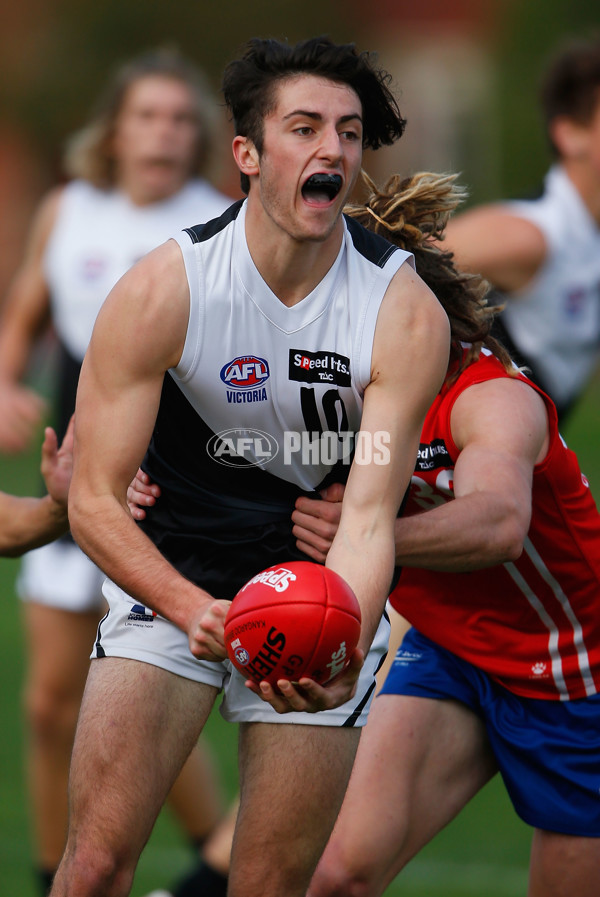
410	356
501	429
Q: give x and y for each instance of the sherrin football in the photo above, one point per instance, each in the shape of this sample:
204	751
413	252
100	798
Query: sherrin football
293	620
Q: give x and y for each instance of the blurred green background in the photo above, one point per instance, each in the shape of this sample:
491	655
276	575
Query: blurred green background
467	74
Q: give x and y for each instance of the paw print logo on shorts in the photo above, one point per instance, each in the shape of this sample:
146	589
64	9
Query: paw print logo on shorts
538	669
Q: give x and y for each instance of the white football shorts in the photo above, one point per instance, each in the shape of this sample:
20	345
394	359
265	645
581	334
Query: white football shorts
60	575
133	631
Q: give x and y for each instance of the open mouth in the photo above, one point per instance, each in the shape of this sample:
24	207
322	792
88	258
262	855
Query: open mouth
322	188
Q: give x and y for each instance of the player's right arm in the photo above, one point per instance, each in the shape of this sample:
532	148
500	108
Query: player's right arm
503	247
25	314
138	336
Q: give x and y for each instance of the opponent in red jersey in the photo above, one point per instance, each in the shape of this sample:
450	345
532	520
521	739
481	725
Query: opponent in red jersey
500	549
530	622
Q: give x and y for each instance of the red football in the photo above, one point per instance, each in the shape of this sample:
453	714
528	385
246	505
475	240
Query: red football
293	620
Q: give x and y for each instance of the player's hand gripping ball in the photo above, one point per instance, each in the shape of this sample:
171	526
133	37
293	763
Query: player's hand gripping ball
294	620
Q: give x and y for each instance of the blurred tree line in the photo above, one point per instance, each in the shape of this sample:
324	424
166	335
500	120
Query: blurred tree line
55	56
530	33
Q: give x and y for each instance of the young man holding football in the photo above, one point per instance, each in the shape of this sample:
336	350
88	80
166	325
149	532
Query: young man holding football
280	273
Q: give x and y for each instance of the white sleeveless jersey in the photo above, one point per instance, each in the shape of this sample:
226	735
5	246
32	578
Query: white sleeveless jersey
98	236
280	387
555	320
264	403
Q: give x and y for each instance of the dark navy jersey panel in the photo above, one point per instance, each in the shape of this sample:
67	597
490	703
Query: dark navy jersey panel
201	232
374	248
217	525
182	436
68	372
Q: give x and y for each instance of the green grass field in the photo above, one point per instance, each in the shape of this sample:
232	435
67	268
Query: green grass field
485	850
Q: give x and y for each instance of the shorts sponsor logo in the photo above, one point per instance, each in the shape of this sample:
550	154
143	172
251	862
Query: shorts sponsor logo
245	372
240	447
404	658
319	367
575	302
141	616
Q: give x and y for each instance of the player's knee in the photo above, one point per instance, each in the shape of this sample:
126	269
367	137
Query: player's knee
94	872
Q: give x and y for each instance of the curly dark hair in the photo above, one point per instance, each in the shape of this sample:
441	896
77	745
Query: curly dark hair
412	213
250	82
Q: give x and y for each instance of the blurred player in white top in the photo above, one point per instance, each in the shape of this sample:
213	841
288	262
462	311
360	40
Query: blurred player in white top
136	178
543	255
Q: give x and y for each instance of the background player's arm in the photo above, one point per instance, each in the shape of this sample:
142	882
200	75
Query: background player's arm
492	241
410	356
27	523
25	314
139	334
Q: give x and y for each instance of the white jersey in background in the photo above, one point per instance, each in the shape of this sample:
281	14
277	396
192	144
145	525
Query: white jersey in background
98	235
554	322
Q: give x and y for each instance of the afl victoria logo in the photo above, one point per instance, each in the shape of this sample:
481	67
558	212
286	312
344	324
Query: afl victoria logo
240	448
245	372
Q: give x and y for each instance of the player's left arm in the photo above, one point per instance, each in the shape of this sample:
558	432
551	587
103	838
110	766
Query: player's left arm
409	362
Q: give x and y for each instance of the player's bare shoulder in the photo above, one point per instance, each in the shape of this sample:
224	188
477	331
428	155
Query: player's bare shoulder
411	324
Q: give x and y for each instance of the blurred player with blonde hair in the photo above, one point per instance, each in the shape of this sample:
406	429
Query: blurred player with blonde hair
136	176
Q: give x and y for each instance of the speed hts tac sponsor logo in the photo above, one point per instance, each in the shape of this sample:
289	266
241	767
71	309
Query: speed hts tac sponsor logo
432	455
319	367
244	376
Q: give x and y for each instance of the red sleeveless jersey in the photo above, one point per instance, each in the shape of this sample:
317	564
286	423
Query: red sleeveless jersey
532	625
